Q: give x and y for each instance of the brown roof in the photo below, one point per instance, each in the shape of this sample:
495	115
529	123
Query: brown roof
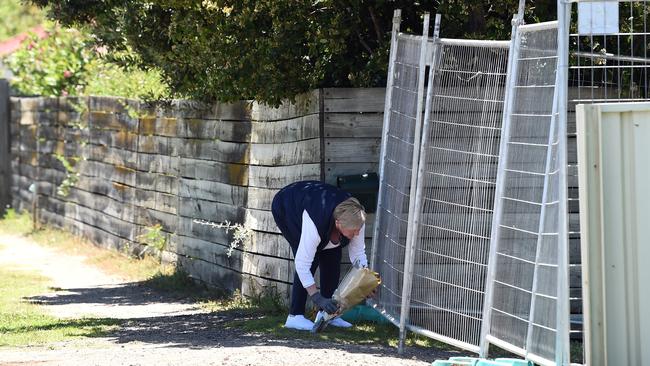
12	44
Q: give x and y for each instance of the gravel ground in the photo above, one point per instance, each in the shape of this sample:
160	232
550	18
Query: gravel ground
160	329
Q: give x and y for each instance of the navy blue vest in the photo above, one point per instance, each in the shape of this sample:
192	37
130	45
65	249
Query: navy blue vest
318	198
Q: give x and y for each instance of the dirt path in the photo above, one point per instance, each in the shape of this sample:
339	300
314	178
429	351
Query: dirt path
161	330
83	290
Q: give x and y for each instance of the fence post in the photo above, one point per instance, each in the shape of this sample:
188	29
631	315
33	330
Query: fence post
5	148
321	131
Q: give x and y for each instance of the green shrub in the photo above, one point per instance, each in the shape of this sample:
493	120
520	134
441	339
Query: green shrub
110	79
54	66
67	63
154	237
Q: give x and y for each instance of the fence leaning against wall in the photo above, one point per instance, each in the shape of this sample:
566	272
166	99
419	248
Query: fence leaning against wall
528	270
401	135
455	189
526	305
431	243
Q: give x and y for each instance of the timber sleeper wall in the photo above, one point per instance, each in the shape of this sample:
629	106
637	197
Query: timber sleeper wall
132	166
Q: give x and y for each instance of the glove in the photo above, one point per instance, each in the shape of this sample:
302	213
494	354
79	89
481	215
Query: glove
329	305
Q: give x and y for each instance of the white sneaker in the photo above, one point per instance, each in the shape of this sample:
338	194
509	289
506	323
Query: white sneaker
298	322
337	322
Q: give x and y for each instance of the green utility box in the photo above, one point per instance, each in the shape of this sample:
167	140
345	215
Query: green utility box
363	187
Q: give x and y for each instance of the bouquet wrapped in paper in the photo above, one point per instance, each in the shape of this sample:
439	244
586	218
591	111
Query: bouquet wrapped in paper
357	285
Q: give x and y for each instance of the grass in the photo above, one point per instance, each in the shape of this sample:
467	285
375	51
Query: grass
266	313
24	323
13	223
361	333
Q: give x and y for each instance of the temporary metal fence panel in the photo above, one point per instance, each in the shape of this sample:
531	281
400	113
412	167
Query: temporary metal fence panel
455	189
401	132
608	61
527	268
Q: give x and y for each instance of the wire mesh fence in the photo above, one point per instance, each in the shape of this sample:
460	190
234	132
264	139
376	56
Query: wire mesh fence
433	234
401	132
609	50
455	189
607	62
441	260
521	310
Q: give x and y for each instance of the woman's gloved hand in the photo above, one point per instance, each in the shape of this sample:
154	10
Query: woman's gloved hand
329	305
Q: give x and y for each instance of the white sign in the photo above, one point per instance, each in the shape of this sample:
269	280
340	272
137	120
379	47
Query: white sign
598	17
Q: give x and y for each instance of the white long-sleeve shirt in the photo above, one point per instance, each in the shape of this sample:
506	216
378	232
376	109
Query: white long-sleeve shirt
309	240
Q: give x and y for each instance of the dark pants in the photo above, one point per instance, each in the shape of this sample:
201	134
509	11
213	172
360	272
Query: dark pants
329	262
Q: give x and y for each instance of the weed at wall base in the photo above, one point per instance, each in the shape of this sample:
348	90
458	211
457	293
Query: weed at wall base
241	234
154	238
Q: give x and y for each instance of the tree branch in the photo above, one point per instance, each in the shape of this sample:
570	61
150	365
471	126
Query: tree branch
364	44
375	23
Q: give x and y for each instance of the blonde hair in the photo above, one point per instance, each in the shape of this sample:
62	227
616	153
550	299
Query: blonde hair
350	213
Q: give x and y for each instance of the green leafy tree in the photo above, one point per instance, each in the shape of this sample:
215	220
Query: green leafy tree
268	50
